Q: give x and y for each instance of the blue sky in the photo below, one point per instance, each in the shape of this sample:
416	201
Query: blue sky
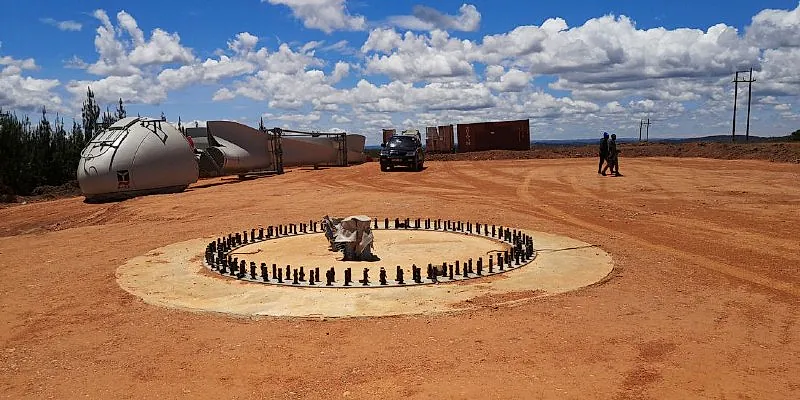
574	68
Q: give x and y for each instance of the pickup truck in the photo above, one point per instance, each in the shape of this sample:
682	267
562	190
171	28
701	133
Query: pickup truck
404	150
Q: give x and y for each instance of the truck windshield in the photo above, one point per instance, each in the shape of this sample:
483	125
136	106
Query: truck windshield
401	141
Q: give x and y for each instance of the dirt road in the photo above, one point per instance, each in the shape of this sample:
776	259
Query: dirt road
703	302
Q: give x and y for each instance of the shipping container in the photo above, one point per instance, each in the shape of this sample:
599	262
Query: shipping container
430	137
501	135
439	139
387	133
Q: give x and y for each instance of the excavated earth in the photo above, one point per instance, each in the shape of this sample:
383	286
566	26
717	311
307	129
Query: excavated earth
702	302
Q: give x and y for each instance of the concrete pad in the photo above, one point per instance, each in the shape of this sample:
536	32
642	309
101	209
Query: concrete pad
174	276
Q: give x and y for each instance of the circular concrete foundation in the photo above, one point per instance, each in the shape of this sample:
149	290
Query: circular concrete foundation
302	257
175	276
393	247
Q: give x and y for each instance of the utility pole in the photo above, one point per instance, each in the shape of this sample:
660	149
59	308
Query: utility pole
736	82
647	125
750	81
641	122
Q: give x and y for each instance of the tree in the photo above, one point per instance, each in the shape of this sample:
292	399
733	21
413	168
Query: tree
108	118
43	152
261	126
163	117
121	113
90	113
795	135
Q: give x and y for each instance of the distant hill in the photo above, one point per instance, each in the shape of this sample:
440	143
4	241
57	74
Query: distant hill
706	139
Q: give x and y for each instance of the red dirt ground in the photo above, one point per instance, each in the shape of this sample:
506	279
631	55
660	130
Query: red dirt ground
772	151
703	301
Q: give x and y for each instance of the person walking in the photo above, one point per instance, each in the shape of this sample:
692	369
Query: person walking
603	152
612	161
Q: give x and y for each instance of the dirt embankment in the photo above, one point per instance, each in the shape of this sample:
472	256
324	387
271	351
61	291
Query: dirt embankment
41	193
787	152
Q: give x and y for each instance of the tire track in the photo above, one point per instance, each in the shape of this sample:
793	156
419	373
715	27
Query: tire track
701	261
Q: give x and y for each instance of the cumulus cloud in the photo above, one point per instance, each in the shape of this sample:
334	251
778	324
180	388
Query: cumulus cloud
341	70
411	57
339	119
223	94
116	60
512	81
783	107
775	28
243	43
132	88
25	93
325	15
67	25
28	63
21	92
426	18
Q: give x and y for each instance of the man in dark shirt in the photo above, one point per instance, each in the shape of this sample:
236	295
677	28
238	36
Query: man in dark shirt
603	152
612	160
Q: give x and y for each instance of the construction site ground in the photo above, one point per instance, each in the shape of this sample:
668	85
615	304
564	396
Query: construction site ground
703	300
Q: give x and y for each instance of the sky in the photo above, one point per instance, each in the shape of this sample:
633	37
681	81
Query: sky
574	68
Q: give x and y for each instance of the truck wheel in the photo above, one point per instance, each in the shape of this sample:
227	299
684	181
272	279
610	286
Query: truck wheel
384	167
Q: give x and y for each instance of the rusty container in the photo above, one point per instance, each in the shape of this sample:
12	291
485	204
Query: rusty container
387	133
446	139
501	135
439	139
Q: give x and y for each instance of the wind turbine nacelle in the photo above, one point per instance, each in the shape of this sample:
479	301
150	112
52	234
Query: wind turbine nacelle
136	156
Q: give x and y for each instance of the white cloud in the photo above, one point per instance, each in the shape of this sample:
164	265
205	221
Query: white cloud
382	41
131	88
25	93
427	18
243	43
223	94
521	41
19	92
340	46
614	107
417	57
209	71
512	81
311	45
778	75
775	28
341	70
27	63
302	121
161	48
340	119
325	15
68	25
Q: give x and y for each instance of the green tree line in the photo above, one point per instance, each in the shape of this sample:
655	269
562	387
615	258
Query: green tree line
47	152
